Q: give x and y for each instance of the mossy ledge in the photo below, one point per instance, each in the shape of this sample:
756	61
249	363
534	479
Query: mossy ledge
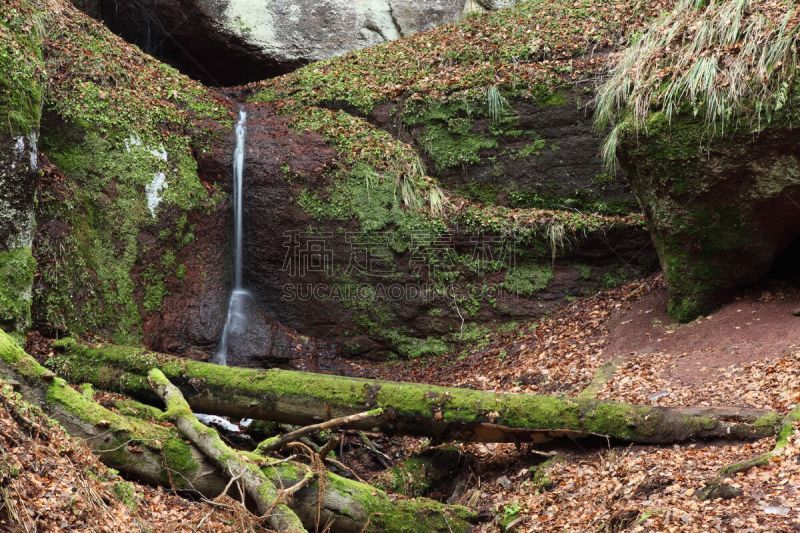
703	114
416	409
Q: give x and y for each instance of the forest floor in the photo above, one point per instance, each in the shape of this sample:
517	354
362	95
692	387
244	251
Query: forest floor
50	481
745	354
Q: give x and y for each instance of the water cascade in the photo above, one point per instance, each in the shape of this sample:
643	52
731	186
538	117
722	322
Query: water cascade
237	316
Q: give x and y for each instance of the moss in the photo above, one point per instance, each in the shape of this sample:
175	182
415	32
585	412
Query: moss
125	492
450	149
414	348
485	193
408	478
21	86
138	410
585	271
87	390
178	458
530	150
260	389
487	51
17	268
473	334
119	121
616	275
529	279
612	419
121	431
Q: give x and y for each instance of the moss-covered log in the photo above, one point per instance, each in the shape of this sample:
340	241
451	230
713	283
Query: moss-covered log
717	488
256	485
425	410
157	454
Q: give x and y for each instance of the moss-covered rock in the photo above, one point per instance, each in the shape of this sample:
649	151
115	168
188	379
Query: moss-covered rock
720	217
124	196
20	110
704	130
490	113
339	255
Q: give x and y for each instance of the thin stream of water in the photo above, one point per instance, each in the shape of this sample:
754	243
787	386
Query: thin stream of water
236	318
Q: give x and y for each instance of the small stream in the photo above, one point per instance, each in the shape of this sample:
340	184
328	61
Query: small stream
237	315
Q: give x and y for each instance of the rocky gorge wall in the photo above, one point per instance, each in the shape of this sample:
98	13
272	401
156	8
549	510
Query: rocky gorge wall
20	109
133	213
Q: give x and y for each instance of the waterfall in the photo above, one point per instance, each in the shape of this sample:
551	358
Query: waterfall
236	318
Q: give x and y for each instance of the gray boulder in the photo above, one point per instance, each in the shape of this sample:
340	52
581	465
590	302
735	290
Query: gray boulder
228	42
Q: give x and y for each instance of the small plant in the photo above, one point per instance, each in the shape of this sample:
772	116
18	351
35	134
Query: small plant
557	238
509	513
497	104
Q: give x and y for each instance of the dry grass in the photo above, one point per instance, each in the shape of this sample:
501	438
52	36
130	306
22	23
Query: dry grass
731	62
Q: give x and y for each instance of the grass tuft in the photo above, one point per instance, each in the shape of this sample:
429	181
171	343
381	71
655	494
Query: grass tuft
730	62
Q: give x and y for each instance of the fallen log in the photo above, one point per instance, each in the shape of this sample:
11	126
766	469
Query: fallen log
717	488
156	454
443	413
256	484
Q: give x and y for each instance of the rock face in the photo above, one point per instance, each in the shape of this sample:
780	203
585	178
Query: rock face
235	41
539	154
714	164
371	292
720	218
134	217
20	109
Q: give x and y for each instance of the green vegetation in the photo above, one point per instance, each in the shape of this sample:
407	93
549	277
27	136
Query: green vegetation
455	89
510	512
125	140
481	55
21	63
731	63
17	268
125	492
527	280
121	430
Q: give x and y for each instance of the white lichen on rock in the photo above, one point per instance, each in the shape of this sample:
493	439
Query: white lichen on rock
153	191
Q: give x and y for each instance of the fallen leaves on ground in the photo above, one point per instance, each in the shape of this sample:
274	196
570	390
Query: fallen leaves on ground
50	481
640	488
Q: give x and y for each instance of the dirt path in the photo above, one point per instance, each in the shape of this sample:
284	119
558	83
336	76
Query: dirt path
756	326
